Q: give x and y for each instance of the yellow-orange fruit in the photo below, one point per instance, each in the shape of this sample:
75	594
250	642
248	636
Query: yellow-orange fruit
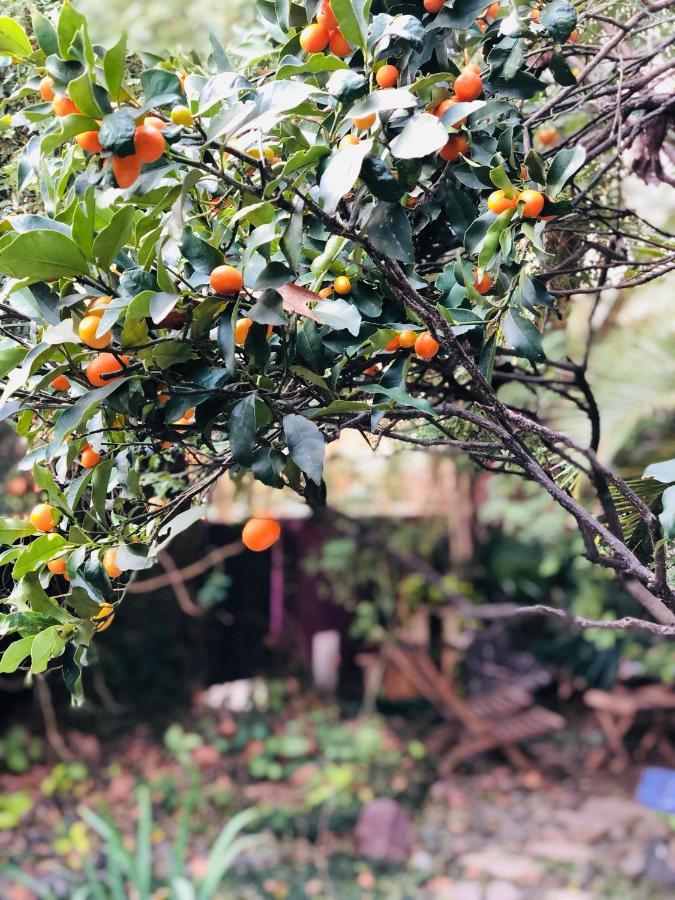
226	280
260	534
42	517
110	563
87	331
89	141
387	76
47	88
426	346
104	368
89	457
314	38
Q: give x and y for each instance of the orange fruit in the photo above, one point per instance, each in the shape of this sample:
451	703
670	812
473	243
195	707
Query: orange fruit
326	17
241	330
260	534
126	169
89	457
407	338
339	46
393	344
149	143
363	123
110	563
342	285
535	14
87	331
314	38
426	346
456	145
42	517
547	137
573	38
444	106
226	280
326	292
349	140
98	305
492	11
534	203
47	88
60	383
104	368
498	202
104	616
58	566
468	86
64	106
387	76
434	6
155	122
411	202
89	141
372	370
482	283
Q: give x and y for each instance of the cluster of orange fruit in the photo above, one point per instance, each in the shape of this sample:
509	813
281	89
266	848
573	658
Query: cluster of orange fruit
148	139
533	202
468	86
424	343
325	33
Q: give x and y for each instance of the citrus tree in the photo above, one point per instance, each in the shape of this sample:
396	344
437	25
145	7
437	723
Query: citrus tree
375	223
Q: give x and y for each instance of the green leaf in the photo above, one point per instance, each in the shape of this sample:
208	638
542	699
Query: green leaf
390	232
536	167
566	164
661	471
81	92
268	309
667	517
99	486
113	67
422	136
202	257
341	174
113	237
302	158
39	551
70	22
42	255
561	70
352	16
315	63
241	430
13	39
501	180
462	14
338	314
15	654
160	87
83	409
117	133
69	127
46	645
385	100
560	19
523	336
381	180
12	530
45	33
306	444
399	395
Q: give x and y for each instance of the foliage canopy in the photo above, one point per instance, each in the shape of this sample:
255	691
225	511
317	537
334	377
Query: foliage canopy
402	252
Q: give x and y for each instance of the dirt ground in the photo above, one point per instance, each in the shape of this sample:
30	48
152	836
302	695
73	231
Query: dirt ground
486	832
